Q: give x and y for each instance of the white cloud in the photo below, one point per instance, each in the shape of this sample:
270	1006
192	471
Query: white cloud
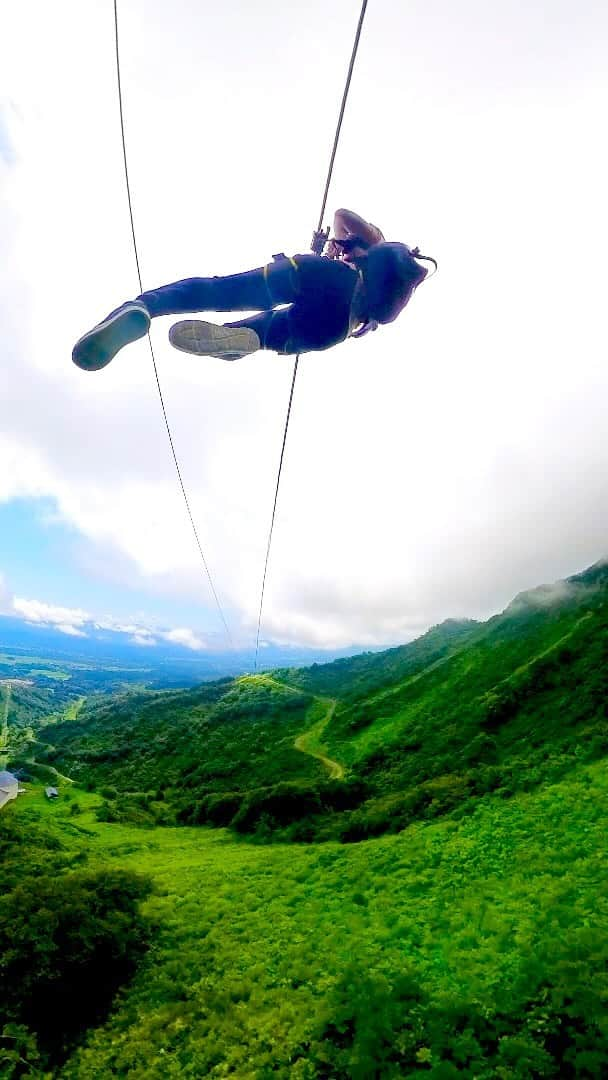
143	638
36	611
183	636
72	631
78	623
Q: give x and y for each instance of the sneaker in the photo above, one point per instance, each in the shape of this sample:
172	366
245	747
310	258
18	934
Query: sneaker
97	348
209	339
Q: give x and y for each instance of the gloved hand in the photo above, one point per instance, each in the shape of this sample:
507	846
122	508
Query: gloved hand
319	240
334	249
365	329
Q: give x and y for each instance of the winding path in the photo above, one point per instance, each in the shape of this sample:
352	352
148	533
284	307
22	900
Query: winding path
303	741
335	769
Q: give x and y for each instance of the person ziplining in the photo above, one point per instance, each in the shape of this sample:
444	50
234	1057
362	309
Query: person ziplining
304	303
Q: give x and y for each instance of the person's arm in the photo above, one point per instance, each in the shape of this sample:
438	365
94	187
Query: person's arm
347	224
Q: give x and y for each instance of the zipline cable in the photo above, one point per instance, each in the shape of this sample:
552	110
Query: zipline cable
154	365
349	76
342	110
274	509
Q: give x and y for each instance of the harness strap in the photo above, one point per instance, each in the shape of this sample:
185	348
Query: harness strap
279	257
358	326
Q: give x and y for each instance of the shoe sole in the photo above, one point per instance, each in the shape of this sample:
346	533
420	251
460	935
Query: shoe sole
209	339
98	348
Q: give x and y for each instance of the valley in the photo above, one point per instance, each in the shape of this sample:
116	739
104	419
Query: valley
389	865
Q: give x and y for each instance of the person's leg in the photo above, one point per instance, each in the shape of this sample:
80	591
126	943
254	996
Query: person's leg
126	324
232	341
255	290
283	281
324	287
318	318
298	328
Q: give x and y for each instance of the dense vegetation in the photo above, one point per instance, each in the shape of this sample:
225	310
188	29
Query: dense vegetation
69	938
465	710
471	942
473	948
180	748
357	676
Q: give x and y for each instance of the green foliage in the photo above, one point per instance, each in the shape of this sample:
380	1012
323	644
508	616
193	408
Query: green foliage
185	745
280	805
473	947
470	947
465	936
379	1028
359	676
423	730
34	850
218	810
19	1054
515	703
138	808
67	942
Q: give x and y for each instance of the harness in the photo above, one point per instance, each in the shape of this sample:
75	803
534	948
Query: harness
358	324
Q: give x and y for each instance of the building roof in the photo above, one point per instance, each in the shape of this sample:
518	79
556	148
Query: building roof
9	787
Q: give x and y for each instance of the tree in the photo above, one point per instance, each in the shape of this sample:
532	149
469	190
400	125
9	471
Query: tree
67	942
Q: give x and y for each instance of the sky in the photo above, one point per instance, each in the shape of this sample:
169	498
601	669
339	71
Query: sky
433	469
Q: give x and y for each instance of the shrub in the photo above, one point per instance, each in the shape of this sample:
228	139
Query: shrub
66	945
280	805
220	809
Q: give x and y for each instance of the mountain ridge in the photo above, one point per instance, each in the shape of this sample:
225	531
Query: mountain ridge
417	730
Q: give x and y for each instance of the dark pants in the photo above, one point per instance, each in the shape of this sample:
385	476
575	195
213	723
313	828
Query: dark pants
317	290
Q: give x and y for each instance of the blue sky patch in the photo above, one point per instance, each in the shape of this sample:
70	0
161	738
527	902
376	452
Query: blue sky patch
39	560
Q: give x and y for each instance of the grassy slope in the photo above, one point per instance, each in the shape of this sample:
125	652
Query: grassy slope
232	735
461	691
468	708
471	945
286	961
310	742
528	686
22	709
356	676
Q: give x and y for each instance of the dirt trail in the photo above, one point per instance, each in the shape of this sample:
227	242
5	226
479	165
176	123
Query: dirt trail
335	769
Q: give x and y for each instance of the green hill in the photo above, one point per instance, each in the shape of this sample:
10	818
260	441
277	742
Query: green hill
470	944
177	747
357	675
520	700
410	733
